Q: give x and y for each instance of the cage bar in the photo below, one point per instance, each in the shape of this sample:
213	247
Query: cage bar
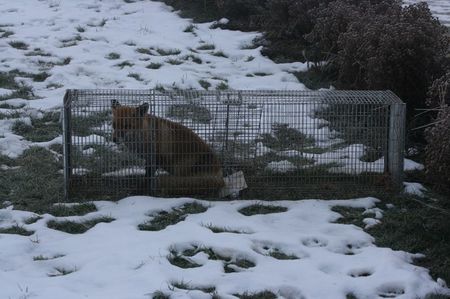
279	144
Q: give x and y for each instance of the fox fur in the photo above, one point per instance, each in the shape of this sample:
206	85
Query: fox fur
193	168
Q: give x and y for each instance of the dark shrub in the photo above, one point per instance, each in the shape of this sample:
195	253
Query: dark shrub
437	153
401	49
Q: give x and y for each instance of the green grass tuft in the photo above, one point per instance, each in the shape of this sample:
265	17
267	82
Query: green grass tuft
173	61
154	66
163	219
261	209
223	229
350	215
185	286
182	262
41	129
124	64
259	295
160	295
113	56
136	76
219	54
206	47
60	271
18	45
222	86
72	227
16	230
190	28
204	84
168	52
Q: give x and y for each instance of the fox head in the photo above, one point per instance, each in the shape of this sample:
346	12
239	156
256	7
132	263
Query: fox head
127	121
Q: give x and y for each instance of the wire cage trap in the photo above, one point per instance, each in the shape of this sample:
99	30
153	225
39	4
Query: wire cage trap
258	144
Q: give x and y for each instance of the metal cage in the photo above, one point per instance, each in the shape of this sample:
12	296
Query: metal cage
258	144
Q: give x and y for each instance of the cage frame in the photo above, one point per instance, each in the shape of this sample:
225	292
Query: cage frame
393	159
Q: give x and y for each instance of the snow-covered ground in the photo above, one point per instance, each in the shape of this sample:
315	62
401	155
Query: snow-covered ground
116	260
116	44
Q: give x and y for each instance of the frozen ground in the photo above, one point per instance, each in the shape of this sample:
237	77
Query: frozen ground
297	253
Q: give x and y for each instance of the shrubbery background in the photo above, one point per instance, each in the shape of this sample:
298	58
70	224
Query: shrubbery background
356	44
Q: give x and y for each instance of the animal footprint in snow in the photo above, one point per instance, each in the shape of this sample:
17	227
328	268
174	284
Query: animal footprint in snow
314	242
390	290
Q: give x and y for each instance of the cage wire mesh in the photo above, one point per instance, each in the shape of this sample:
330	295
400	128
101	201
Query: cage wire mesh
260	144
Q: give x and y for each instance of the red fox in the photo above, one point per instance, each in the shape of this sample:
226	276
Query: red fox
193	168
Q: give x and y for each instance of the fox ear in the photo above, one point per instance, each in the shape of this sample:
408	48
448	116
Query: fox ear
115	104
142	109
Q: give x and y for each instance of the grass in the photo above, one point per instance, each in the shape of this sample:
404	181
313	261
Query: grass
193	58
279	255
40	77
72	210
204	84
261	74
224	229
174	61
125	64
38	52
350	215
84	125
229	263
285	138
261	209
46	258
206	47
186	286
60	271
136	76
240	263
222	86
7	80
160	295
41	129
249	58
16	230
19	45
5	33
182	262
80	29
23	186
144	51
163	219
194	112
167	52
113	56
154	66
257	295
415	228
314	78
72	227
219	54
190	28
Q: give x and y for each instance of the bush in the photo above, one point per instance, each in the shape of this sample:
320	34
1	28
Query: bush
437	152
383	46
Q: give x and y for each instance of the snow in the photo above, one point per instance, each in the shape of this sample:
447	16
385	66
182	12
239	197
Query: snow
414	189
116	260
